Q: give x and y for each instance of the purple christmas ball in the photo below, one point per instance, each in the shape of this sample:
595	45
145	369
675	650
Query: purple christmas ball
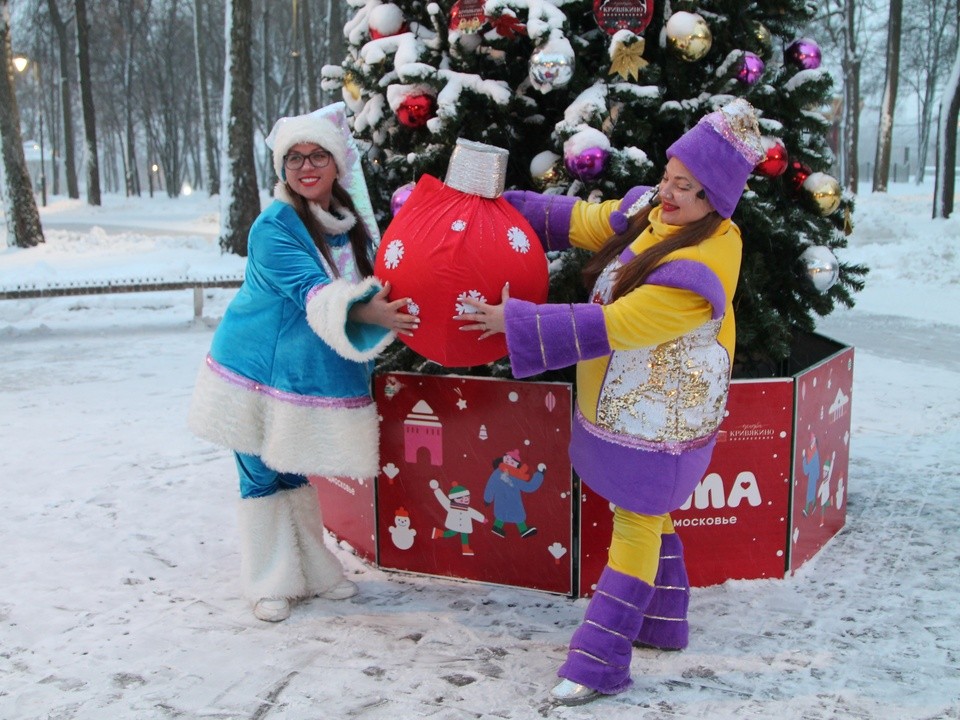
751	69
588	164
804	53
399	197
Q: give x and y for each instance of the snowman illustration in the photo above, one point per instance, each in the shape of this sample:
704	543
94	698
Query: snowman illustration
401	534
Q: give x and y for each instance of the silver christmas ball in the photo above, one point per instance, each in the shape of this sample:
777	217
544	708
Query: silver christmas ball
550	68
822	267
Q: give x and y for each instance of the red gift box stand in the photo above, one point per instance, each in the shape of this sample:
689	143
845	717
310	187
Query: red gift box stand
772	497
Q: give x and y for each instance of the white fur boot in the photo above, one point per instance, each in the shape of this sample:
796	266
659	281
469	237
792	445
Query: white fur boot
270	566
322	572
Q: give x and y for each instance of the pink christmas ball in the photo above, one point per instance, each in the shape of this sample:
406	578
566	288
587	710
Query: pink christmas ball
804	53
750	69
588	164
399	197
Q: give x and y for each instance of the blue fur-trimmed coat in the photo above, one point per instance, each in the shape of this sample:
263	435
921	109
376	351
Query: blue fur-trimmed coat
287	376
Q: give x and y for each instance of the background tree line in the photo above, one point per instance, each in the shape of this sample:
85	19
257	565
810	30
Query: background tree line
132	93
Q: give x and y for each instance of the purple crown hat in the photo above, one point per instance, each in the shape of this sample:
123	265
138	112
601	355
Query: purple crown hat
721	151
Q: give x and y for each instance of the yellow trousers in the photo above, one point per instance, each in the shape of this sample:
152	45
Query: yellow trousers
635	546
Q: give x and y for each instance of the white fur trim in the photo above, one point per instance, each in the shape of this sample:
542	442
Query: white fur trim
289	438
332	224
311	128
322	570
327	314
270	564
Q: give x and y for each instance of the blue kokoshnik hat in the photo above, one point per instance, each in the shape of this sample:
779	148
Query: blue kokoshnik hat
721	151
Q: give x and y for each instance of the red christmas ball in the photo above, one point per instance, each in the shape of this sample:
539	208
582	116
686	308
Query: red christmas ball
416	110
386	21
776	161
445	246
797	174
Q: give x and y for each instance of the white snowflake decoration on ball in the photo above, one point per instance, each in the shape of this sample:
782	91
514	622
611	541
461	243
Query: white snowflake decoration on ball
412	308
459	225
518	240
462	307
393	254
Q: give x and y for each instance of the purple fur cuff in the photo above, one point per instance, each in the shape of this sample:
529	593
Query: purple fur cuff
548	337
620	218
694	276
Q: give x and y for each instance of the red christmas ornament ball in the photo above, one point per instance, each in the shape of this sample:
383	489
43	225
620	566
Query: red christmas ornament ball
797	173
445	246
776	161
416	110
386	21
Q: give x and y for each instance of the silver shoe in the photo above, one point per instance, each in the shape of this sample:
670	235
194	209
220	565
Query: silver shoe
568	692
272	609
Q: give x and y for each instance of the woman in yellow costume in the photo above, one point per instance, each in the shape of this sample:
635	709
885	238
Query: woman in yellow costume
653	350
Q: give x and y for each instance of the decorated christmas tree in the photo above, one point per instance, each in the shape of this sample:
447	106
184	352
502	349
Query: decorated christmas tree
586	97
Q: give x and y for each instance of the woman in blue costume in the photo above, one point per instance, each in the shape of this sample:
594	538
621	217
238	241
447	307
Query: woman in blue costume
286	384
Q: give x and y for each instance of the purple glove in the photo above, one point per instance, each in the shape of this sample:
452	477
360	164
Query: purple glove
548	215
619	220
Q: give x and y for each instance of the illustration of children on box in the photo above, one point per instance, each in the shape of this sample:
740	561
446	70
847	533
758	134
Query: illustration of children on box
811	468
505	487
460	516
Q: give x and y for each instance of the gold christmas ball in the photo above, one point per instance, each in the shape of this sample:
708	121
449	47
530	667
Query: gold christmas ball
762	40
545	170
350	86
825	191
689	36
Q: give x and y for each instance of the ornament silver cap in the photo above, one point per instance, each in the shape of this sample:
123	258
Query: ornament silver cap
477	168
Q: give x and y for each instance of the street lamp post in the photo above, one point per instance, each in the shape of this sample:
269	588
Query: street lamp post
20	63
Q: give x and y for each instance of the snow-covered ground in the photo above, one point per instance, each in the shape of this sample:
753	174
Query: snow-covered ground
119	562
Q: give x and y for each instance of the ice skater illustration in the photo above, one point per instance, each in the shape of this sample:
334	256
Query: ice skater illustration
823	493
506	485
460	516
811	468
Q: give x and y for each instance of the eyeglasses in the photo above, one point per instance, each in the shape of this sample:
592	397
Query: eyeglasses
318	159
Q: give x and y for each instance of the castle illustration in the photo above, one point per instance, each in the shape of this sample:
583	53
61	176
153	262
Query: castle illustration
423	429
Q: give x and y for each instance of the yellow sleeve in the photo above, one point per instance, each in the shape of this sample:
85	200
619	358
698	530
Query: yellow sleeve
590	224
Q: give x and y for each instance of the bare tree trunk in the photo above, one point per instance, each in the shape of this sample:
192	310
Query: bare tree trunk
295	44
851	98
86	101
270	105
130	175
19	205
66	100
309	59
944	184
209	141
240	197
881	170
